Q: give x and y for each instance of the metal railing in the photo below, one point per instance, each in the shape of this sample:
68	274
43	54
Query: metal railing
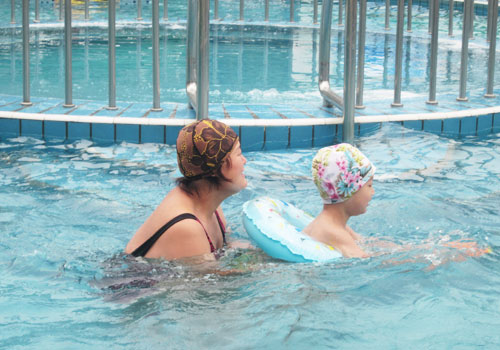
345	102
197	56
197	71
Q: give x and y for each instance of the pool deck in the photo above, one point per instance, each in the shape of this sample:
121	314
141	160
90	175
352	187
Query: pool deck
260	126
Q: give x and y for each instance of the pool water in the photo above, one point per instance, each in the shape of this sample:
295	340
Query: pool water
249	63
68	209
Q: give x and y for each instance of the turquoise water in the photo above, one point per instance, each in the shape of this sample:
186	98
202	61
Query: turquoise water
249	64
68	209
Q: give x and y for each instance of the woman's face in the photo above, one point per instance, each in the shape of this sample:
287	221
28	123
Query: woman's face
233	170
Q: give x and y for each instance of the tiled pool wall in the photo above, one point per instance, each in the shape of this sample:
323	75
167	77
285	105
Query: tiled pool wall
255	134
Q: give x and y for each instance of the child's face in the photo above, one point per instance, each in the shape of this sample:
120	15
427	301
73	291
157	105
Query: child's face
358	203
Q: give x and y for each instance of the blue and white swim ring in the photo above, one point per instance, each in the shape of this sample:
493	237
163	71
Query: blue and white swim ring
276	227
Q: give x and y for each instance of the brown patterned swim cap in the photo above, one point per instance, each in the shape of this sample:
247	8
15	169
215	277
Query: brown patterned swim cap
202	147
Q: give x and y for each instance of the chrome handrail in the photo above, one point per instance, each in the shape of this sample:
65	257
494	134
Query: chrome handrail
398	75
68	102
330	98
434	53
492	50
26	54
111	55
155	19
349	70
197	72
197	86
465	50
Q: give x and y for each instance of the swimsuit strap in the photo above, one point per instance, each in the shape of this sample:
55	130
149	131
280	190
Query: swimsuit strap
222	227
143	249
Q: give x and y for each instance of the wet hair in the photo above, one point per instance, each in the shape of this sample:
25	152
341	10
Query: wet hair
190	185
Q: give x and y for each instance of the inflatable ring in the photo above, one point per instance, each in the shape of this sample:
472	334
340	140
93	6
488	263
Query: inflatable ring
276	228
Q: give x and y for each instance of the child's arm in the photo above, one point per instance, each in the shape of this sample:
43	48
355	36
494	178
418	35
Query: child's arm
347	244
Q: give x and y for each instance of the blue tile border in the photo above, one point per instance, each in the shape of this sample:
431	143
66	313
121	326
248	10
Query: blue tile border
153	134
451	126
103	132
301	136
276	137
55	130
260	126
127	133
31	127
78	131
496	122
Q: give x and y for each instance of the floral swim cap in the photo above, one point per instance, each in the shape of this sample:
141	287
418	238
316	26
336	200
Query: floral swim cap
203	146
339	171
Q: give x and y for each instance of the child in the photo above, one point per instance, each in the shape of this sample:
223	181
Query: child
344	177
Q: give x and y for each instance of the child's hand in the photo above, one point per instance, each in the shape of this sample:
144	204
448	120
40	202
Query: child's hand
470	248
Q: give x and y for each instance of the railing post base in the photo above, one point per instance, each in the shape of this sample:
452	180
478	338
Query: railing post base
490	95
396	104
434	103
462	99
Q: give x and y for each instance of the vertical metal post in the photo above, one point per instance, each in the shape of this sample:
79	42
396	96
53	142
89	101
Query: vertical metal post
492	52
387	14
292	10
216	9
191	52
341	15
431	15
450	18
68	55
156	55
26	53
407	61
266	11
203	59
165	10
266	59
139	10
324	46
87	12
315	12
329	97
242	9
361	55
12	12
434	54
472	20
61	9
385	80
465	51
215	53
410	15
86	54
349	71
488	27
112	54
399	55
37	11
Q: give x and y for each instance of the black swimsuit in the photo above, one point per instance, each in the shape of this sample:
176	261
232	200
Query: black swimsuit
143	249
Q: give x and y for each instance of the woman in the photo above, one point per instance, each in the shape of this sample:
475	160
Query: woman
189	221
